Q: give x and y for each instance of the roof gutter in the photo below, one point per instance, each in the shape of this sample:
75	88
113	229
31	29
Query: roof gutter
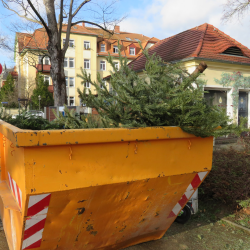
210	60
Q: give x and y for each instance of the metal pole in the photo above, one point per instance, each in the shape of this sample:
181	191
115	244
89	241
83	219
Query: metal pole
39	98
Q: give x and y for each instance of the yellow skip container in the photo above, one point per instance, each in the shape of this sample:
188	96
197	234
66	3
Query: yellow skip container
96	188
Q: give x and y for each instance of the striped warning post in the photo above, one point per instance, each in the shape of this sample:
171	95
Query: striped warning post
15	190
190	190
36	217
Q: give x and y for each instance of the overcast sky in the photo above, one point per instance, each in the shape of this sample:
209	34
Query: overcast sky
164	18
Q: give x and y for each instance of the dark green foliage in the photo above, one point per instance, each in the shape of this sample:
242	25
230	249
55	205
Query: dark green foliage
229	179
27	121
165	95
42	90
73	121
8	92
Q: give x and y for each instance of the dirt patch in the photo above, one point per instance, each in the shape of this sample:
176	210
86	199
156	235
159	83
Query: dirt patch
3	241
204	231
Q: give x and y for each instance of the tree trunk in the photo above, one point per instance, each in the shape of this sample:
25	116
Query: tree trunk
56	55
58	76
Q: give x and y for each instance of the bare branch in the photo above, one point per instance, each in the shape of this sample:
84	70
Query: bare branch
68	28
95	24
60	23
17	13
80	6
38	15
235	8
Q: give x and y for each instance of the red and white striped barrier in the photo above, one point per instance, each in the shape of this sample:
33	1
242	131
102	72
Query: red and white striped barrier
190	190
15	190
36	217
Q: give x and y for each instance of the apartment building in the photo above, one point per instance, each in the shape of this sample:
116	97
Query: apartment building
88	48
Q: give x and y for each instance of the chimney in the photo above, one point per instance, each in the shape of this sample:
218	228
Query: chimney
117	29
83	24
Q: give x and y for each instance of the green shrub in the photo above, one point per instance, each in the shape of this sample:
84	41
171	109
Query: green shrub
229	179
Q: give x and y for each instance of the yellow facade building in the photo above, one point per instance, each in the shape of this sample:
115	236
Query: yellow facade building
88	48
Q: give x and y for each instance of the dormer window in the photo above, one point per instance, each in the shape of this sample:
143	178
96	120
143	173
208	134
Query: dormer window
115	49
102	47
132	51
233	51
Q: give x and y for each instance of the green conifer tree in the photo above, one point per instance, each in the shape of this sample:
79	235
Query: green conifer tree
42	90
164	95
7	89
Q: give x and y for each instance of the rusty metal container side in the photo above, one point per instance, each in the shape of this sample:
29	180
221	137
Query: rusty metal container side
96	188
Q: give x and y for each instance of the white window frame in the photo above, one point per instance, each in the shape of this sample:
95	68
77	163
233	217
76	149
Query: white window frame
67	82
66	59
70	78
70	98
102	65
40	59
117	65
47	78
130	51
71	59
45	59
87	43
115	49
86	63
71	42
87	85
103	47
104	83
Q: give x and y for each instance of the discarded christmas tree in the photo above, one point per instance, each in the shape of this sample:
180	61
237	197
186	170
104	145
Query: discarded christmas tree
164	95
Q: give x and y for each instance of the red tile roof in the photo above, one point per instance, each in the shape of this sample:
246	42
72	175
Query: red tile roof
204	41
39	39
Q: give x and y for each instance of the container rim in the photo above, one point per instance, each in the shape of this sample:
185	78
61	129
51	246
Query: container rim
30	138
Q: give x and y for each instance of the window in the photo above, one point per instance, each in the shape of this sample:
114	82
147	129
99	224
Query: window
71	81
116	65
71	43
86	45
103	84
40	59
47	79
102	65
46	60
115	49
86	63
82	104
128	38
71	62
233	51
138	40
132	51
71	101
66	80
87	85
65	62
102	47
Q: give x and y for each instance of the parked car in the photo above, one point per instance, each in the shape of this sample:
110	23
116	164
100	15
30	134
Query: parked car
33	113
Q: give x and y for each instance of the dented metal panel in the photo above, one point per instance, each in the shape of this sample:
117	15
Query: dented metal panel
97	188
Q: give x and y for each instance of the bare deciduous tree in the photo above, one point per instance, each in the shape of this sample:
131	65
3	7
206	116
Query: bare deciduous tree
69	12
235	8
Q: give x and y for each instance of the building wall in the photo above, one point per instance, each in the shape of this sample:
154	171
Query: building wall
214	71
